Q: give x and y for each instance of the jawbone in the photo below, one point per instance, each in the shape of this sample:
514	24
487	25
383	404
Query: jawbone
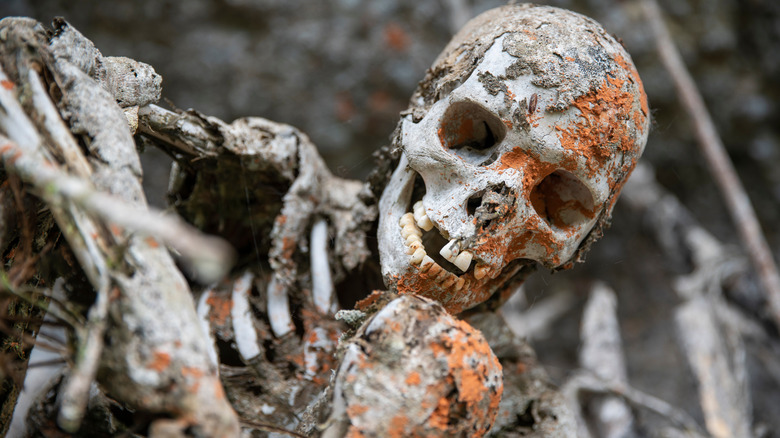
458	280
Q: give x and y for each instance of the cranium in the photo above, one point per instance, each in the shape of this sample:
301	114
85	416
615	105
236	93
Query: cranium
514	150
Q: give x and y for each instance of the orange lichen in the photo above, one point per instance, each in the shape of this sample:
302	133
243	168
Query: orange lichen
440	416
192	372
8	85
366	302
460	348
398	426
160	361
151	242
220	308
601	128
288	247
356	410
413	378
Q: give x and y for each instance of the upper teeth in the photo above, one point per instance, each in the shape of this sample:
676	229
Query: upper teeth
463	260
412	226
422	219
452	253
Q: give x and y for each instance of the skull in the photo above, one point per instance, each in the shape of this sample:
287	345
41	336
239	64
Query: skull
514	150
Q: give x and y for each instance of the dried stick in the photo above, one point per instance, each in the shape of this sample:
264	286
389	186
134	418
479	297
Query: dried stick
720	166
723	392
74	395
589	383
601	353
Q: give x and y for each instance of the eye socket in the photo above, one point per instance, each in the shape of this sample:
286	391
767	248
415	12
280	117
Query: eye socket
563	200
470	130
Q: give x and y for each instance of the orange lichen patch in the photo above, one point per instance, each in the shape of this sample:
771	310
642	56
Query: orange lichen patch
160	361
602	128
413	378
366	302
532	168
281	219
151	242
356	410
288	247
471	363
440	416
192	372
396	38
472	386
398	426
220	308
8	85
635	78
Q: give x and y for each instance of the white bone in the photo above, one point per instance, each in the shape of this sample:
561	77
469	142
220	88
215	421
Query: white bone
322	282
241	314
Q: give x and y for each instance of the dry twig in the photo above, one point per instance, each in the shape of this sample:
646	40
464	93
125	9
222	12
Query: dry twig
720	165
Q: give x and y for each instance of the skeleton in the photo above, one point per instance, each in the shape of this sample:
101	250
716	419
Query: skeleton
512	153
515	149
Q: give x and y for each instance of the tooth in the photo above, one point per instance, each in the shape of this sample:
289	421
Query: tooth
452	279
419	207
418	256
413	247
463	260
442	276
450	250
412	238
481	270
426	263
424	222
459	284
406	219
434	270
410	229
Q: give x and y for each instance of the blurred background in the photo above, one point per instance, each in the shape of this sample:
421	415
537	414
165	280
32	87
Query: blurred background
342	70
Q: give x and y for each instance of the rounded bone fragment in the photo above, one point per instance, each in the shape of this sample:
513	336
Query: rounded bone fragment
414	370
516	145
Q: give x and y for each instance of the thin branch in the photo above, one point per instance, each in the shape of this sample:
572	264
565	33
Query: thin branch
75	393
589	383
720	166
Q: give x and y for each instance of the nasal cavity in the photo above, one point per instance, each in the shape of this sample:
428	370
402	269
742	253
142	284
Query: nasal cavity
563	200
489	204
471	132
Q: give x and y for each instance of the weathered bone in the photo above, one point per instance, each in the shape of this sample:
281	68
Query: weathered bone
515	148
